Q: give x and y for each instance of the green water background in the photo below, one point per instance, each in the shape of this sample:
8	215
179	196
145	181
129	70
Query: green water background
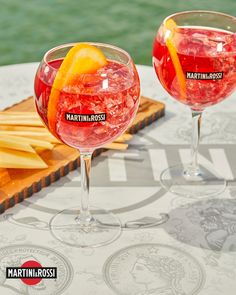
28	28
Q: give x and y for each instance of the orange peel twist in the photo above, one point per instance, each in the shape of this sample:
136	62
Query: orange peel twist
169	31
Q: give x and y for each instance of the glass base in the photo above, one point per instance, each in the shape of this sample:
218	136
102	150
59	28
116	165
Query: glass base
183	181
103	228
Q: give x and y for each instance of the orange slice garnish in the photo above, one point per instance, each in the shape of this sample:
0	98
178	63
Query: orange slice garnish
81	59
169	28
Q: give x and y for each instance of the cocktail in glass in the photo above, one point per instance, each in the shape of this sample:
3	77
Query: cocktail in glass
194	56
87	95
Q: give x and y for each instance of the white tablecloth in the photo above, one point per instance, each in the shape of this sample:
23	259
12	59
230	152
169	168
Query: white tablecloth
191	253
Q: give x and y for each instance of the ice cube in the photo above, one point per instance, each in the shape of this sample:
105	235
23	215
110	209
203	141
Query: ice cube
129	101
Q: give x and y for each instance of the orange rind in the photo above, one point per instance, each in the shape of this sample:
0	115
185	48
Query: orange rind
169	32
81	59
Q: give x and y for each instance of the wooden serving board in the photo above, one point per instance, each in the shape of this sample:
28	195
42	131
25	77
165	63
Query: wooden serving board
62	159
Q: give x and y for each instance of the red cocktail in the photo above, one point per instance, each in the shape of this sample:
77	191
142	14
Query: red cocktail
208	60
194	56
95	109
87	94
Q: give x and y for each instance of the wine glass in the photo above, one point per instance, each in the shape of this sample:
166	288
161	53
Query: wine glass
87	114
194	56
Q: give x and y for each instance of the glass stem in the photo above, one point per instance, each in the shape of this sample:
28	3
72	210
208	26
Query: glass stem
196	126
85	162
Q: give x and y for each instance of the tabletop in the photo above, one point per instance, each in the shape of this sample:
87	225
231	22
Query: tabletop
190	252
